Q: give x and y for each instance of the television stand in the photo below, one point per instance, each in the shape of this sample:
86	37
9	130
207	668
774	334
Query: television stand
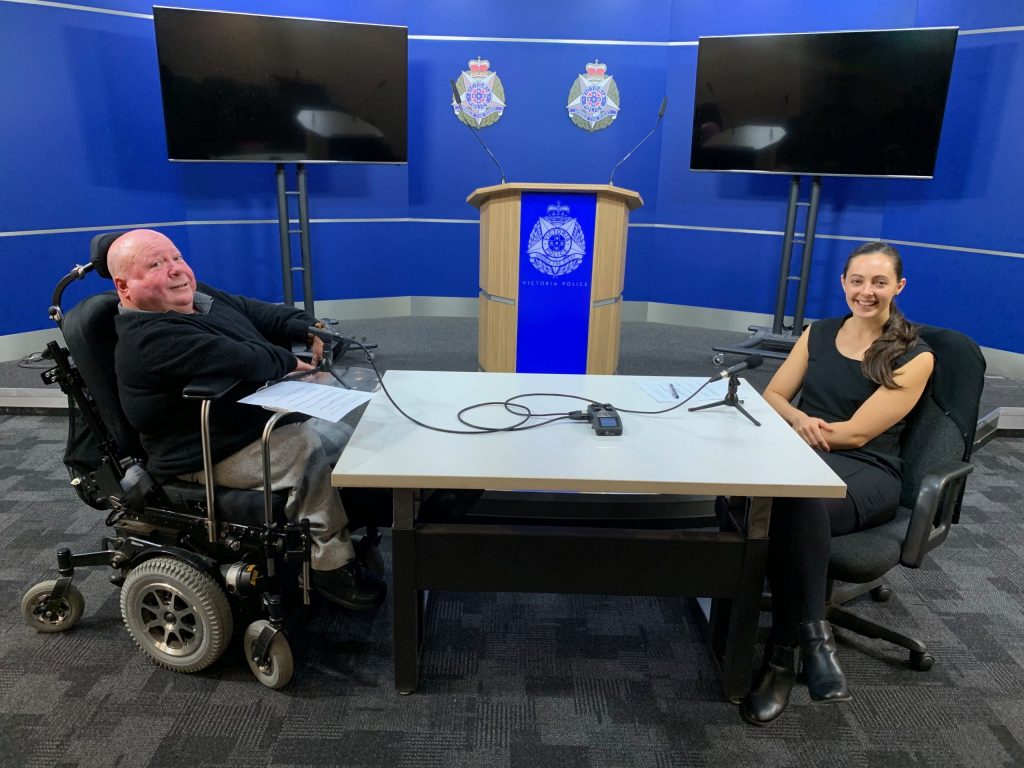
288	269
776	342
284	228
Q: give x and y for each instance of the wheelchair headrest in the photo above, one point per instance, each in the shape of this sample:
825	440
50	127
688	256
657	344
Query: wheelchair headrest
98	251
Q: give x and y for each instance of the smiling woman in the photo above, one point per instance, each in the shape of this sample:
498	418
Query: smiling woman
858	377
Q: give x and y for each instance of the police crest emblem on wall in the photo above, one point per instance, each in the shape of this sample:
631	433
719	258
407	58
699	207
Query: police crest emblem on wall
557	245
594	98
481	95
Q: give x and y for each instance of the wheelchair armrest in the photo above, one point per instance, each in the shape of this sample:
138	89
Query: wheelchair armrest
209	387
937	501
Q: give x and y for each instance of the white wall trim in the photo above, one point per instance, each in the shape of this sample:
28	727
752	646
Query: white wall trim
86	8
1000	362
470	39
476	222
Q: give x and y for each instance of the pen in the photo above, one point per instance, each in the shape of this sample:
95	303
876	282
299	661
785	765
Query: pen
672	389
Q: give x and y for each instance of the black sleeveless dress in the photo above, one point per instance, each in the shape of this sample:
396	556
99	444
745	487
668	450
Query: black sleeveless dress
833	389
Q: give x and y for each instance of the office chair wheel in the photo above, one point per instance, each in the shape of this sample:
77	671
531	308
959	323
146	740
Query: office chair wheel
176	613
718	359
277	672
921	662
52	618
881	594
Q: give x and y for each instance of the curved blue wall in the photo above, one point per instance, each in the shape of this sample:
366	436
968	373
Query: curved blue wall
82	147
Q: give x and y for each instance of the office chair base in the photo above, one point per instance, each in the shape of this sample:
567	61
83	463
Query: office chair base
919	660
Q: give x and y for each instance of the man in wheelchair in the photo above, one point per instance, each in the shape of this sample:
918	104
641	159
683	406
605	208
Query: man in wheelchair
169	333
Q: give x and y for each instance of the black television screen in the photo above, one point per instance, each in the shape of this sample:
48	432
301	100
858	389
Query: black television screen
247	88
832	103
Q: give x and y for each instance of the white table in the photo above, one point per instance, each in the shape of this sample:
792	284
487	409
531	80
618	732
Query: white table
716	451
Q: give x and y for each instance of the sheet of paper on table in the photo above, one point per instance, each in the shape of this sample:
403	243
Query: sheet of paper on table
677	390
319	400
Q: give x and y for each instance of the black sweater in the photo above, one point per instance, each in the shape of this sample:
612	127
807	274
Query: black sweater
159	353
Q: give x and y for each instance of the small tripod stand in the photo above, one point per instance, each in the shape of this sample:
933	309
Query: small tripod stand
731	400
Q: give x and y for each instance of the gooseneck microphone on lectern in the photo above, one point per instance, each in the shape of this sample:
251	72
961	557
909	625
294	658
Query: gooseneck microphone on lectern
661	114
475	131
748	364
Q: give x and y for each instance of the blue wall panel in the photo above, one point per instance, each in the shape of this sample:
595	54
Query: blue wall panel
82	134
83	146
975	14
753	17
566	19
534	140
975	198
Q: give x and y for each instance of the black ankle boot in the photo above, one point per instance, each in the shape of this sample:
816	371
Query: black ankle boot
824	677
767	701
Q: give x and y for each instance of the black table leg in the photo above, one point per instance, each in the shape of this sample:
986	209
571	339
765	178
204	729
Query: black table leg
745	610
404	593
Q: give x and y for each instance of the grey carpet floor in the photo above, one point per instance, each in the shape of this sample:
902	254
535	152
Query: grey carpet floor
514	680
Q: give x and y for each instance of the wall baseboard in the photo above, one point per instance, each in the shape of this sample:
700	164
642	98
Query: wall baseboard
1000	362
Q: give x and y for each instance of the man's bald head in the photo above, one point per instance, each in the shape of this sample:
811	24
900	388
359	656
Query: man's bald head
150	273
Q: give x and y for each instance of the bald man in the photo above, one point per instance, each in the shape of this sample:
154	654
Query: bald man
169	333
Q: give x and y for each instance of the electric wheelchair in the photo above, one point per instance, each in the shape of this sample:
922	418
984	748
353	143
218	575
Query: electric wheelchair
193	561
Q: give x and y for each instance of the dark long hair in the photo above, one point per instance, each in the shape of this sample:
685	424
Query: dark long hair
898	334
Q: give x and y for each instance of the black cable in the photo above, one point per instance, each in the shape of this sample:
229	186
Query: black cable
673	407
475	430
509	404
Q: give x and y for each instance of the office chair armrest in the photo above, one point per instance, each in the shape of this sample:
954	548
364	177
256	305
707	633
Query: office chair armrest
937	501
209	387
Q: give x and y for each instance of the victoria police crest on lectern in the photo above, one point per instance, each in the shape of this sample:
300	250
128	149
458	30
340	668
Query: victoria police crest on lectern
556	267
557	244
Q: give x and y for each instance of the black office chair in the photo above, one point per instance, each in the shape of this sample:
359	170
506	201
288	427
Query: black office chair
935	446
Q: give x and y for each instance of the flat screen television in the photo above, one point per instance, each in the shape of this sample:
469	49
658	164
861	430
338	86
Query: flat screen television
824	104
240	87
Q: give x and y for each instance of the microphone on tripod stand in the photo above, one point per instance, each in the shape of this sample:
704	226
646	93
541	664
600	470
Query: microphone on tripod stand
661	114
730	398
475	131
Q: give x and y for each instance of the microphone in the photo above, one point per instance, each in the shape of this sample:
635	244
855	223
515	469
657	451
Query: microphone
475	131
661	114
753	361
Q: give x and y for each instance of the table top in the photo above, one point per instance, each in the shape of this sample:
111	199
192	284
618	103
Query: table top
715	451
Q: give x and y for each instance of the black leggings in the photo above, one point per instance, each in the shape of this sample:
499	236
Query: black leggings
800	536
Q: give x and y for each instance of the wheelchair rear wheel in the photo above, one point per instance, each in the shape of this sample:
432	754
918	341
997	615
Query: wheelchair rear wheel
176	613
45	617
278	669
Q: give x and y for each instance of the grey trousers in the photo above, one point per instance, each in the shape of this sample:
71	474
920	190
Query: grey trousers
301	459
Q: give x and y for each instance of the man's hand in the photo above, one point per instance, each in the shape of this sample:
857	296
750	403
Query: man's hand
812	430
301	365
318	349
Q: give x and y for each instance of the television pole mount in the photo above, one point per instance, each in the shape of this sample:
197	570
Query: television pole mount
777	341
288	269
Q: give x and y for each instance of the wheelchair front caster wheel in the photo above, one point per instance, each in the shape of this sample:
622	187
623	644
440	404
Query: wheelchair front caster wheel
921	662
276	671
718	359
46	615
881	594
176	613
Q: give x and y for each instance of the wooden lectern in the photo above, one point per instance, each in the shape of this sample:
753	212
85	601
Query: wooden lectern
544	245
